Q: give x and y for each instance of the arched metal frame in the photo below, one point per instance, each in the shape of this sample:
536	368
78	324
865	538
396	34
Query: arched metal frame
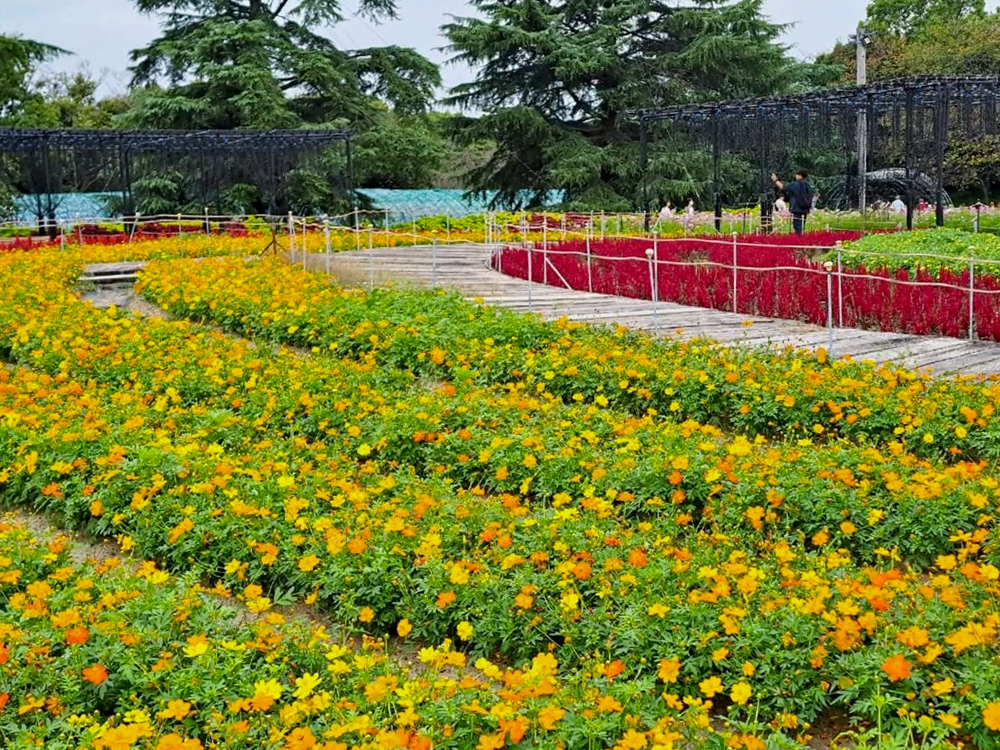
48	163
904	123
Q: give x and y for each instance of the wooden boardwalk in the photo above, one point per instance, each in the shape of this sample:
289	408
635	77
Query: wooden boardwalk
463	268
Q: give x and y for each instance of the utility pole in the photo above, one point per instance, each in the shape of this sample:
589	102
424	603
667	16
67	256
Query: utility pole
861	40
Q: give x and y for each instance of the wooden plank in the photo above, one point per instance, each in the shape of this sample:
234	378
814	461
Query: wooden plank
464	268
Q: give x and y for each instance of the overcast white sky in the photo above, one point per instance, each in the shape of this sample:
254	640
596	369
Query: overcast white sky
101	33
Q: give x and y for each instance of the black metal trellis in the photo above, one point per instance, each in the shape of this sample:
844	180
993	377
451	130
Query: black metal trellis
908	126
204	164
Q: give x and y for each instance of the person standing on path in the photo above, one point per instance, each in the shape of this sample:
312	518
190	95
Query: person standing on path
800	198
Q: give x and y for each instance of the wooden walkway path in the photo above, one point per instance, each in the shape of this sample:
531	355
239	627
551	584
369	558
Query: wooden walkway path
463	268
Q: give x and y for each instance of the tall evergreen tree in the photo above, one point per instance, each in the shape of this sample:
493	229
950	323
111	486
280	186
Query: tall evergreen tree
19	59
556	76
265	64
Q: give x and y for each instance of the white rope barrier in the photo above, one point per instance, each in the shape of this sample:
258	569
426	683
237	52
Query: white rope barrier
588	257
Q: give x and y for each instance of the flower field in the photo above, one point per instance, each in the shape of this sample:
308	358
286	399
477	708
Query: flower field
520	533
888	283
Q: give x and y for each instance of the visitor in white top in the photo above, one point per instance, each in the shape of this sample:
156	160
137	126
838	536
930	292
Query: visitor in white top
665	215
690	208
897	206
780	207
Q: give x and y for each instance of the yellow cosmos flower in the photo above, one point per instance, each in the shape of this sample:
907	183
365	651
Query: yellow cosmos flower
196	646
711	687
740	693
176	709
305	685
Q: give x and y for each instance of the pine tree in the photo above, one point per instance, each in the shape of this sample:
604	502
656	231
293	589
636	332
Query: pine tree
19	58
556	76
265	64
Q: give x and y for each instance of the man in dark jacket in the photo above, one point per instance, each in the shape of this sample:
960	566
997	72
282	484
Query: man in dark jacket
800	198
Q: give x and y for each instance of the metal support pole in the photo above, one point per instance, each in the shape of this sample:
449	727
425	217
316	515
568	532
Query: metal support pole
862	63
829	307
716	159
387	227
329	245
972	294
735	246
941	136
305	242
131	233
208	224
840	285
650	258
644	164
434	262
908	157
529	246
291	237
495	236
371	262
590	270
545	249
62	236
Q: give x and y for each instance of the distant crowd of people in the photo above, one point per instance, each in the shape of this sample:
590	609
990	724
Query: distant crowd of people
796	200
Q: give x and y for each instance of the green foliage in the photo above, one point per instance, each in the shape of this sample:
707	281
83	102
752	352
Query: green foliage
951	248
966	44
951	37
18	60
266	64
399	152
260	64
556	79
70	101
910	17
974	165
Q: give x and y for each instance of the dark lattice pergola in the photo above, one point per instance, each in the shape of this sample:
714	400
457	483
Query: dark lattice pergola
47	163
847	136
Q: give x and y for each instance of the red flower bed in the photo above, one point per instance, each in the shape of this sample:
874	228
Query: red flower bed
93	234
790	284
20	244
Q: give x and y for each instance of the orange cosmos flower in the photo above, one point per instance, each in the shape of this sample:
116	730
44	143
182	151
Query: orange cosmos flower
445	598
76	636
637	558
96	674
614	669
897	667
549	716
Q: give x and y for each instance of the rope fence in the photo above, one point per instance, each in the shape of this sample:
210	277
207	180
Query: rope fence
778	276
784	281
